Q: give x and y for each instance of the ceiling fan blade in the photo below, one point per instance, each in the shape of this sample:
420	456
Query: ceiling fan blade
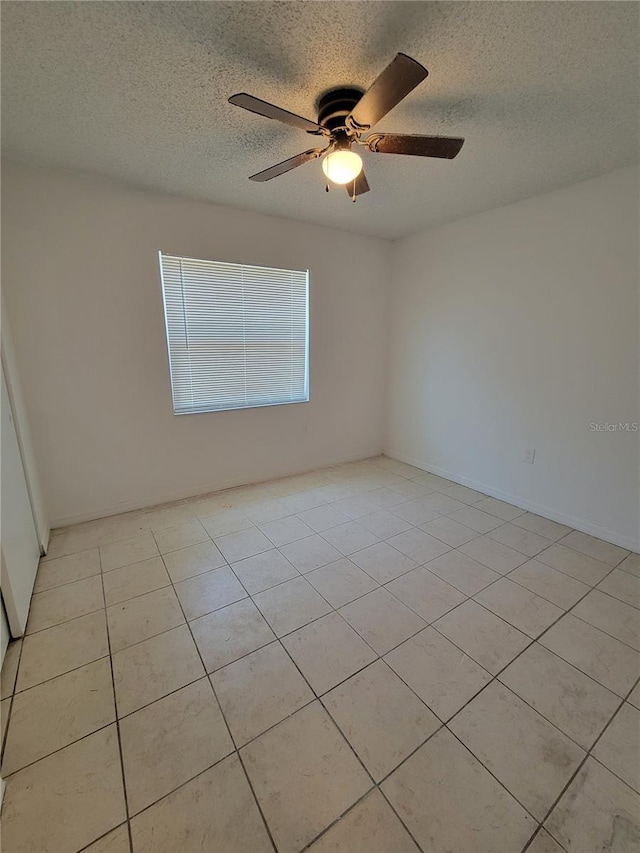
287	165
446	147
361	185
396	81
264	108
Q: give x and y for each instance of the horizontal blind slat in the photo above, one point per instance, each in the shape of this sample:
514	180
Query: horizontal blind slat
237	334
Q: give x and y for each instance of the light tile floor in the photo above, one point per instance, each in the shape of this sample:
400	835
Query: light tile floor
366	659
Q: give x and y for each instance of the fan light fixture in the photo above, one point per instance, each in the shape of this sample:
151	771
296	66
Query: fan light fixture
346	115
341	167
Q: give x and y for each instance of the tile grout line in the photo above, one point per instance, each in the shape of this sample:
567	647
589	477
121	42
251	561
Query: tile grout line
302	574
66	672
495	677
61	748
445	725
104	835
383	586
207	676
336	482
317	697
508	576
539	832
276	638
115	709
187	503
64	583
528	646
66	621
11	698
615	597
222	714
253	525
600	762
551	625
587	752
376	784
282	645
584	761
334	609
279	638
602	631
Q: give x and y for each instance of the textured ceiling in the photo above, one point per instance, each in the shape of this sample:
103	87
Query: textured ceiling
546	95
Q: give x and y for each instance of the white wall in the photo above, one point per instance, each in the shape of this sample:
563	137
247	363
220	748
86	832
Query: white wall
517	328
510	329
80	271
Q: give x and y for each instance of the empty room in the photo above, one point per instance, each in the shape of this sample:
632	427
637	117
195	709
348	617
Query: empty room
320	508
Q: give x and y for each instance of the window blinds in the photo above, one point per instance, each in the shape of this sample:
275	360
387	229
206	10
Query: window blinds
237	335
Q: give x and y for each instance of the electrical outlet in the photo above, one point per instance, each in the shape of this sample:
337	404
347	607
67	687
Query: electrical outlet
529	455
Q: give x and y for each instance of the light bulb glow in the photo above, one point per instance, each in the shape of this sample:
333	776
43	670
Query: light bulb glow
342	166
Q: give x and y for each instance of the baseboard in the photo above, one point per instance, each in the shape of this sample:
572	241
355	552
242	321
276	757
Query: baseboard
202	489
43	538
581	524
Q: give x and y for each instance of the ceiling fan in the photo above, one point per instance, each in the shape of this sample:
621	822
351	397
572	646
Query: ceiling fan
344	116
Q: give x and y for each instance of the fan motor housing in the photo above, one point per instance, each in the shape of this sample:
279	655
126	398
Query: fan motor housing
335	105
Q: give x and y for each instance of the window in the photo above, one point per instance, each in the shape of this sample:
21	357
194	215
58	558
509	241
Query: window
237	335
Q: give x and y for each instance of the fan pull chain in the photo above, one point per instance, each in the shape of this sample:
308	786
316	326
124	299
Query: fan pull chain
353	197
326	189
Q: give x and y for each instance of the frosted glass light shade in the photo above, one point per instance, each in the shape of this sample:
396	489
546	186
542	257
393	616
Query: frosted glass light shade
342	166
